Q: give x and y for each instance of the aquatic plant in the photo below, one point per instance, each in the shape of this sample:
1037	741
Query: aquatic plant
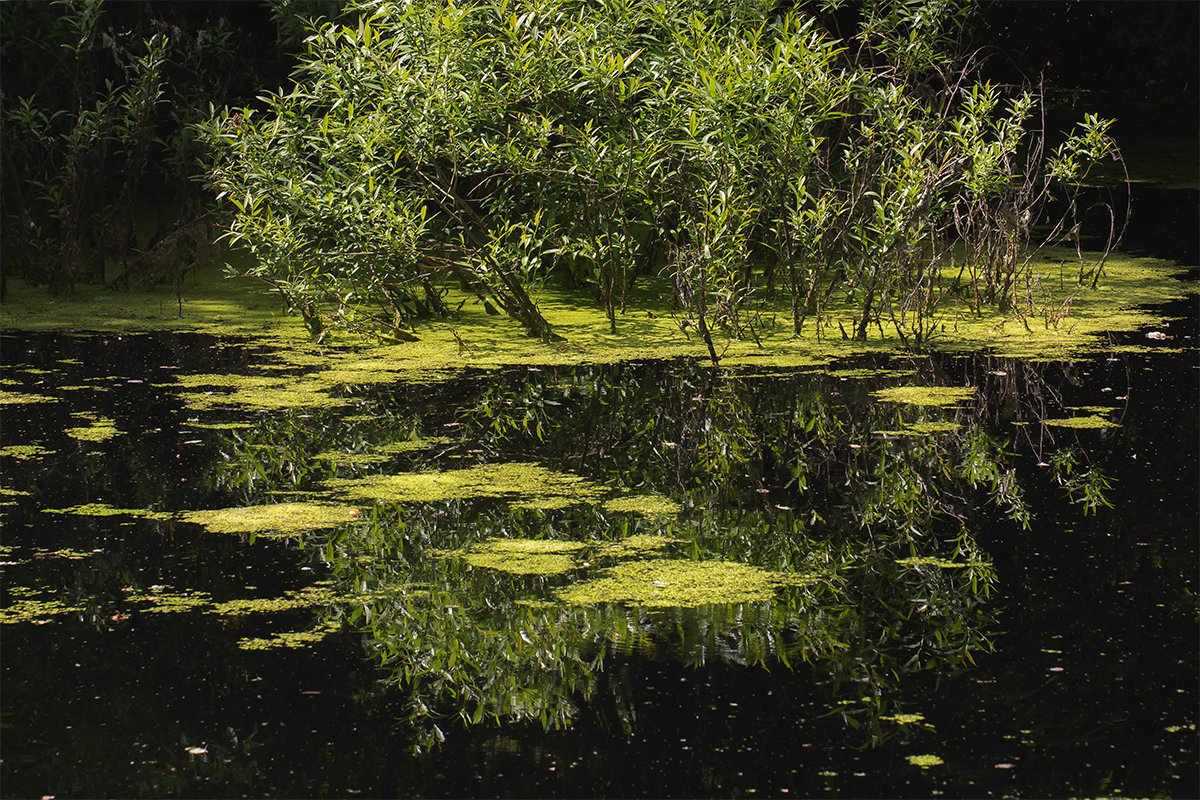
924	395
104	510
678	583
485	480
742	154
279	518
99	429
522	556
925	761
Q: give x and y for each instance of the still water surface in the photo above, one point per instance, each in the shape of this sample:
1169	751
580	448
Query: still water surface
972	598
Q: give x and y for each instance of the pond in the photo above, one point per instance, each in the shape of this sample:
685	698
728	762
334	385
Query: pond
229	571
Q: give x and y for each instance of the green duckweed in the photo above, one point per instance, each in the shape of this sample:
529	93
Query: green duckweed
904	719
25	452
488	480
290	639
678	583
8	398
930	561
522	556
1091	421
103	510
646	505
924	395
278	518
98	429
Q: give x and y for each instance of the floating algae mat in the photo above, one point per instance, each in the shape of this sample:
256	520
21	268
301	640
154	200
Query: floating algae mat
257	392
1089	421
103	510
523	556
99	429
278	518
924	395
486	480
8	398
680	583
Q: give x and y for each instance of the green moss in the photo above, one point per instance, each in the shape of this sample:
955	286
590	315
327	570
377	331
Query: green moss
676	583
522	556
25	452
103	510
647	505
1091	421
510	480
280	518
924	395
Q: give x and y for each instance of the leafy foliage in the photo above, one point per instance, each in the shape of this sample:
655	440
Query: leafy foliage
739	151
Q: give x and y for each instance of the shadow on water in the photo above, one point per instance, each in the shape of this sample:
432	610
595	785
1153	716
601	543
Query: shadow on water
641	579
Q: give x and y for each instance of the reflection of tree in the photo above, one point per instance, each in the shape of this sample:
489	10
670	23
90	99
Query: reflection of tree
793	472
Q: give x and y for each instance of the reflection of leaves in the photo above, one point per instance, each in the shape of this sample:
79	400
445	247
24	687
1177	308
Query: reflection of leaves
765	477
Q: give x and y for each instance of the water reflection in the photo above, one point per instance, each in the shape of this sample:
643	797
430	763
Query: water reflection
873	534
877	505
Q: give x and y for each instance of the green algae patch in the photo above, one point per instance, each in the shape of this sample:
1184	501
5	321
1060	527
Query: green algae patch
25	452
342	457
413	445
924	395
1092	409
651	505
35	611
925	761
508	480
904	719
163	600
639	544
930	561
103	510
549	503
278	518
290	639
522	556
675	583
98	429
207	303
259	392
923	428
289	601
1090	421
8	398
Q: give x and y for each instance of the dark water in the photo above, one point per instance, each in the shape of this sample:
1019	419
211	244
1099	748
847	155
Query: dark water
1061	662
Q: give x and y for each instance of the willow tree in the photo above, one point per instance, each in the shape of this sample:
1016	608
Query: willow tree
737	150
